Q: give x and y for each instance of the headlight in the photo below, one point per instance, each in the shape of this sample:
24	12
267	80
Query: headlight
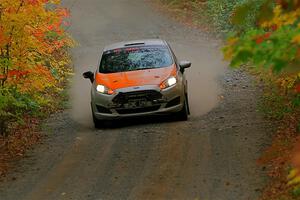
104	90
168	83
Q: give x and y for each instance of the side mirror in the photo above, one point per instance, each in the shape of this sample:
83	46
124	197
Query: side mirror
89	75
184	64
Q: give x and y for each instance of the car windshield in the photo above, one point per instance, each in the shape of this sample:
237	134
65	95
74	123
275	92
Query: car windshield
135	58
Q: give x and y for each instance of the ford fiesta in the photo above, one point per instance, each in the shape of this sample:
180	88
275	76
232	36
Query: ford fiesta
138	78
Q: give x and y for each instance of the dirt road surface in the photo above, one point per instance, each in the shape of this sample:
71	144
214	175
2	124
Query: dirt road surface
210	157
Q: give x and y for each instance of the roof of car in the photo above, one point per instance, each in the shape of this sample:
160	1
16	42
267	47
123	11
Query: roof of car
135	43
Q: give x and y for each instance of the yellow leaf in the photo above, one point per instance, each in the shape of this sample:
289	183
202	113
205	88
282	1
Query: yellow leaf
228	53
232	40
296	39
294	178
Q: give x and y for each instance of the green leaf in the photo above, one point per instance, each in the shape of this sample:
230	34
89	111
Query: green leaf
278	65
241	13
266	11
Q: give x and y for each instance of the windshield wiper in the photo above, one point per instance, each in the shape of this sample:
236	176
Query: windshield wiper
146	68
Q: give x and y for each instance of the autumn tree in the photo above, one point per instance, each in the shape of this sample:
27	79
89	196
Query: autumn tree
272	48
34	58
272	45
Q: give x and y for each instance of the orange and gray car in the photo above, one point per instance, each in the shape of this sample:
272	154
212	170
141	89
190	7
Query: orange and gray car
138	78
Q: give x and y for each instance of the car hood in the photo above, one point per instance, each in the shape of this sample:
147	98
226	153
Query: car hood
135	78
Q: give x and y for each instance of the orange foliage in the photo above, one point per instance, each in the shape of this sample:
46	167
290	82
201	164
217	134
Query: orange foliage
297	88
30	32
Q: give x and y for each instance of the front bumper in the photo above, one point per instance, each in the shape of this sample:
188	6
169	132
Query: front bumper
160	102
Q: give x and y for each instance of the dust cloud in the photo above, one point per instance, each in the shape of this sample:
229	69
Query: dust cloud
203	77
86	59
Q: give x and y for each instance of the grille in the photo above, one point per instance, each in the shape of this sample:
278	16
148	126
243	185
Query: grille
138	110
149	95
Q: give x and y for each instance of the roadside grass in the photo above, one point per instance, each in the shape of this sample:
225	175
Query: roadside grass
276	104
277	160
23	137
20	139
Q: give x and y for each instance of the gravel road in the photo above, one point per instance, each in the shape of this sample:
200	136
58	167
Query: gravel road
210	157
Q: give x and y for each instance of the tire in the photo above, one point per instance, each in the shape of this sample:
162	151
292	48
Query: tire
97	123
184	113
188	103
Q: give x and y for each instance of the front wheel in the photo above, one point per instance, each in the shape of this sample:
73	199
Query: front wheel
184	113
97	123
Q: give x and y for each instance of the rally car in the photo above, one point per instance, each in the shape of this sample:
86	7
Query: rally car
138	78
